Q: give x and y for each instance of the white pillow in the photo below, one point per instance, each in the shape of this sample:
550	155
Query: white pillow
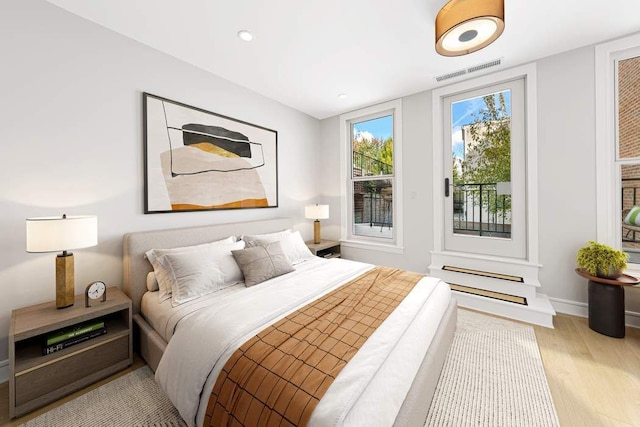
295	249
292	244
152	282
252	239
161	273
201	271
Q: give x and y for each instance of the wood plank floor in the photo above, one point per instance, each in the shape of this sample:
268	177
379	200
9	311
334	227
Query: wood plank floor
594	379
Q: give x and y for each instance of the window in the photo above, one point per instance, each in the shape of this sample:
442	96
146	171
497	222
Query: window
370	141
628	159
618	145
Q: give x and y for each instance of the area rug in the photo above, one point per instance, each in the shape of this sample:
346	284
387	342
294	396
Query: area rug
134	399
493	376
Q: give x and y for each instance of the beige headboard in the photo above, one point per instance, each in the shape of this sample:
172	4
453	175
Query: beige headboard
136	267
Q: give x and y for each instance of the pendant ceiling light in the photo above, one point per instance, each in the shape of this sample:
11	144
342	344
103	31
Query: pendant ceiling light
464	26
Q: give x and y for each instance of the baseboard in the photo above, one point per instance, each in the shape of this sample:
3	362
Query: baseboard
538	311
4	371
581	309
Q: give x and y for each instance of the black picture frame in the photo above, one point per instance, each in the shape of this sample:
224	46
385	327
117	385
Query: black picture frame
197	160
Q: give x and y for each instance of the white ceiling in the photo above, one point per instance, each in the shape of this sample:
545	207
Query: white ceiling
306	52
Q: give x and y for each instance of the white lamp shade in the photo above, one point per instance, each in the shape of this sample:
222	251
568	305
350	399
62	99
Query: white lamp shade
53	234
316	211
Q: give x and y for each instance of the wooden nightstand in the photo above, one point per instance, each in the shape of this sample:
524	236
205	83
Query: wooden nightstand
325	249
36	380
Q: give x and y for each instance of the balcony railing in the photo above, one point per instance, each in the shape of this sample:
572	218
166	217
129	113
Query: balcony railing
479	210
364	165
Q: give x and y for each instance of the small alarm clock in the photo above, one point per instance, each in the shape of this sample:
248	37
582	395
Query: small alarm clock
95	290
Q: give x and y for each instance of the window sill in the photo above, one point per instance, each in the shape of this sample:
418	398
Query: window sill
373	246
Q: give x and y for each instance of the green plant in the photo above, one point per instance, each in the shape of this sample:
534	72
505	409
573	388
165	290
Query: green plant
601	260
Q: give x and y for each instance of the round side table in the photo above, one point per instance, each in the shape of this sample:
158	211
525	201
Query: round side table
606	303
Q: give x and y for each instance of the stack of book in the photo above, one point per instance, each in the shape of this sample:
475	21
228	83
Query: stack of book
63	338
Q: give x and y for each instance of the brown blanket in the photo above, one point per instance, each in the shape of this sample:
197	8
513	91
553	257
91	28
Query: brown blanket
278	377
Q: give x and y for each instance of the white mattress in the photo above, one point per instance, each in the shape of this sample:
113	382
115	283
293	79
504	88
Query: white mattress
369	390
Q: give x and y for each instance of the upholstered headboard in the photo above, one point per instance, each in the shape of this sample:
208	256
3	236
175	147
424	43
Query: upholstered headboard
136	267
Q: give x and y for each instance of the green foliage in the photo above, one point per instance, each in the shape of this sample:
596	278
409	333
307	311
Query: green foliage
378	154
597	258
488	158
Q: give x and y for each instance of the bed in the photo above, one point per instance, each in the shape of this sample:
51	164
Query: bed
397	388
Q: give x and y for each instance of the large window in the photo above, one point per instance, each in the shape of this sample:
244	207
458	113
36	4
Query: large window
371	165
618	145
628	158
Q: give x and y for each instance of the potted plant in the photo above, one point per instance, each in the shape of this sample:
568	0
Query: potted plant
601	260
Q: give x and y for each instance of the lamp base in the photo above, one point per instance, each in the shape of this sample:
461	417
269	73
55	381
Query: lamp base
65	283
316	232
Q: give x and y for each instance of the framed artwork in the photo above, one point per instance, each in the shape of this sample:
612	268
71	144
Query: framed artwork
198	160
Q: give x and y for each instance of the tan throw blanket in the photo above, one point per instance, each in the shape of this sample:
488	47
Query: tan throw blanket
279	376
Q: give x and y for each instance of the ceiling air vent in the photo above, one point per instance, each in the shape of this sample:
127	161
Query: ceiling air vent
472	69
486	65
451	75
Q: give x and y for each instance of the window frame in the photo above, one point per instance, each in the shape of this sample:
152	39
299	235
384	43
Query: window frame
608	161
348	238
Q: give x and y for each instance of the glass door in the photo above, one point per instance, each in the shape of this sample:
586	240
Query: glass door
484	137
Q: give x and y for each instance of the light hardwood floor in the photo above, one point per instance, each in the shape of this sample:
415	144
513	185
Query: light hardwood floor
594	379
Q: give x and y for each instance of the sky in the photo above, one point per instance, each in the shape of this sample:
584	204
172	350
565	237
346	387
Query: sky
463	112
381	128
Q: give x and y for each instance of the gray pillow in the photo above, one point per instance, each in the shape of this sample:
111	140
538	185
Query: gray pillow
261	263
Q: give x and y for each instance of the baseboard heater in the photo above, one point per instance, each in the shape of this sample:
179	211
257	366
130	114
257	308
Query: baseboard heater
489	294
483	273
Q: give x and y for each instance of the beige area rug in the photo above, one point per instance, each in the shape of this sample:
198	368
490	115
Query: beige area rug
493	376
134	399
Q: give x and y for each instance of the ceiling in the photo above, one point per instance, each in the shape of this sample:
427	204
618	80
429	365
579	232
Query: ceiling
307	52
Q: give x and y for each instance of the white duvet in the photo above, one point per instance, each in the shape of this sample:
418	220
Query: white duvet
368	391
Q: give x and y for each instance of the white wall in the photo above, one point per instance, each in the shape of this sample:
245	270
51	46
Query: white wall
566	170
417	182
71	142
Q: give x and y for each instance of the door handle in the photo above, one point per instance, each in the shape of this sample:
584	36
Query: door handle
446	187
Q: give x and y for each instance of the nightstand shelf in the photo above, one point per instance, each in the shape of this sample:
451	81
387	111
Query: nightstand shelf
36	379
325	249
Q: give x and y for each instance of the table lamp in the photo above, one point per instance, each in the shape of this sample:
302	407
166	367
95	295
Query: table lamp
316	212
53	234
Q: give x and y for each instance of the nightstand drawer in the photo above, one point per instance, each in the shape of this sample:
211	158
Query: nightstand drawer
62	372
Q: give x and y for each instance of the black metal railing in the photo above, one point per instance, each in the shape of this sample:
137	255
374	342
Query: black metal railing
376	211
364	165
479	210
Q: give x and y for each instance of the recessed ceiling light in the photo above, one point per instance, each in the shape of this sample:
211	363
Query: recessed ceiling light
343	96
245	35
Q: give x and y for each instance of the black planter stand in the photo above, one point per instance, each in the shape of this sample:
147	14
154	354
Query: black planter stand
606	309
606	303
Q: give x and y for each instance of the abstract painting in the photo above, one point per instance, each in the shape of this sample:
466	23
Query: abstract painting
199	160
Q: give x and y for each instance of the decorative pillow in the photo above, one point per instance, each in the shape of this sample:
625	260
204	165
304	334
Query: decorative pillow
633	217
261	263
292	244
254	239
164	281
152	282
201	271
